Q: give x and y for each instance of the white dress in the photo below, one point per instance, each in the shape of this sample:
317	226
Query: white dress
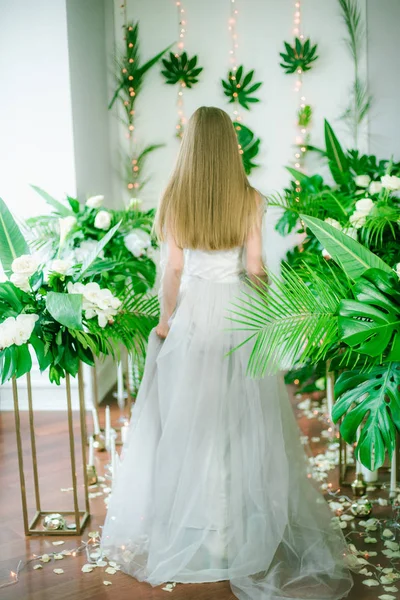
212	483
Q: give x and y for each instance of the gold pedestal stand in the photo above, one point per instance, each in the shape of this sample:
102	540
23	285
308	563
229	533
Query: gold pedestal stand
80	516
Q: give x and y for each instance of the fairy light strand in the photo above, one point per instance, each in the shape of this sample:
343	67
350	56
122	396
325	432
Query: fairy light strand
301	132
233	48
182	29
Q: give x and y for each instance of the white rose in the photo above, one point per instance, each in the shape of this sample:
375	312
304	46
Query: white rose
364	206
65	224
358	219
362	181
25	265
375	187
334	223
7	333
398	269
75	288
21	282
102	220
85	248
351	232
95	201
137	242
391	182
61	266
24	325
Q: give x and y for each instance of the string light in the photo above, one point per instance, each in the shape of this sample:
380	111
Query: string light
182	30
232	21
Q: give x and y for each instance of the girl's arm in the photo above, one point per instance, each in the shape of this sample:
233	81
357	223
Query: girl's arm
170	285
254	262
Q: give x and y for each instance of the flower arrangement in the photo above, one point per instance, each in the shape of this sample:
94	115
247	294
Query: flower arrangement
63	311
77	228
348	316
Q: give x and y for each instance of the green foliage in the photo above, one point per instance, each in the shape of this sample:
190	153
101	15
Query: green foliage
92	256
12	242
352	256
249	146
59	209
181	69
371	323
299	56
304	116
370	400
65	309
239	87
338	163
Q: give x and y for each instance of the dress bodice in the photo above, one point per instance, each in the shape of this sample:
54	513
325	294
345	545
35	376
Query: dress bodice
214	265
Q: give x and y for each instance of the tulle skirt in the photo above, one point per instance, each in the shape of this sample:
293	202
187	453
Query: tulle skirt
212	483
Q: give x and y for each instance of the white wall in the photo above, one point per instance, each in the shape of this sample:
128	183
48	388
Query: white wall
35	104
262	26
384	77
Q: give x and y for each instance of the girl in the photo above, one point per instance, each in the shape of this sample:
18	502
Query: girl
212	484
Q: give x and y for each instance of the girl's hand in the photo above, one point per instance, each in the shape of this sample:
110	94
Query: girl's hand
162	330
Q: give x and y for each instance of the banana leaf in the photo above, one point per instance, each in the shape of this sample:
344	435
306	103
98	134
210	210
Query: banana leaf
12	242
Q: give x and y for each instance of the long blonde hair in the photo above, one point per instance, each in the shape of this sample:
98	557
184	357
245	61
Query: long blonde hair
208	203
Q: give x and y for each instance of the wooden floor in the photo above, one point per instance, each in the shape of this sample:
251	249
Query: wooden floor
44	584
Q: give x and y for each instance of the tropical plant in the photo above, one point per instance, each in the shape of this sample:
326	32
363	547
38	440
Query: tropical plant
181	69
360	98
304	116
60	311
249	145
124	261
238	87
352	319
300	56
130	73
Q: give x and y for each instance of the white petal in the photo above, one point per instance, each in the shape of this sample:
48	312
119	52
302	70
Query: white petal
58	571
107	582
370	582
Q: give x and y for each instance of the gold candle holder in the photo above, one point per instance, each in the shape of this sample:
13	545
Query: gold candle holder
91	474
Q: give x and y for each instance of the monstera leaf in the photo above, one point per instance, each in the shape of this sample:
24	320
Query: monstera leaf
239	88
298	56
181	69
249	145
371	324
369	400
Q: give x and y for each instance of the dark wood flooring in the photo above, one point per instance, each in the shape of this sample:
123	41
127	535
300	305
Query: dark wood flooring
44	584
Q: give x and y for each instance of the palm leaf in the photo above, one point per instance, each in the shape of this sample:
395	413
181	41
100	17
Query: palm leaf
12	242
91	257
60	209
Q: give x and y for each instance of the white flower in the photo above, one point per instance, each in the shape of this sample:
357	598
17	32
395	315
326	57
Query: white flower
25	265
97	302
351	232
85	248
362	181
102	220
17	330
65	224
391	182
397	269
334	223
61	266
137	242
95	201
21	282
375	187
364	206
358	219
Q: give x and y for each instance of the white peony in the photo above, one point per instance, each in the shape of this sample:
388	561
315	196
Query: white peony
358	219
95	201
334	223
17	330
61	266
362	181
137	242
102	220
391	182
364	206
65	225
25	265
397	268
375	187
